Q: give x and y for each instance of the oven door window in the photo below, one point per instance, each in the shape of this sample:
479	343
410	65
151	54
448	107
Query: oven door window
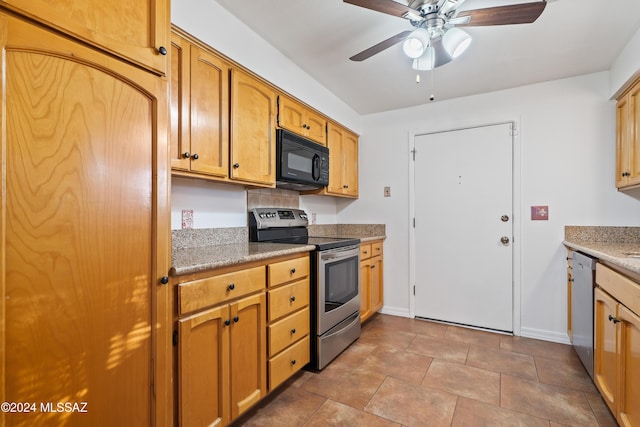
341	283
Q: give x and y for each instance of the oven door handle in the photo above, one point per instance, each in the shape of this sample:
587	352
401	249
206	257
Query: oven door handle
356	318
337	256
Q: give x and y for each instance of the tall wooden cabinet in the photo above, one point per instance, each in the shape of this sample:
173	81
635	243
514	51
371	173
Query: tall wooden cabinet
617	343
199	110
343	161
628	138
85	228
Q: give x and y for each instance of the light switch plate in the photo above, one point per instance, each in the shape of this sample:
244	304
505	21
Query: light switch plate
539	213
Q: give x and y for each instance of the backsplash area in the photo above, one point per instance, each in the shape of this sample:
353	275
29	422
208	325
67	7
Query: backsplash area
272	198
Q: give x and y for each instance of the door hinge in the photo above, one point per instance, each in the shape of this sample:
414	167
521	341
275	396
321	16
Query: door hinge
414	290
413	153
414	222
514	130
175	338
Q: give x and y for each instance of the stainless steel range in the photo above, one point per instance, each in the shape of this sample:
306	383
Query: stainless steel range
335	266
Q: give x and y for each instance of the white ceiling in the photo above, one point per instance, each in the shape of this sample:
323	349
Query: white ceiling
571	37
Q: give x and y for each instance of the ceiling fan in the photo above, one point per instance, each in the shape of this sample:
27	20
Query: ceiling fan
436	39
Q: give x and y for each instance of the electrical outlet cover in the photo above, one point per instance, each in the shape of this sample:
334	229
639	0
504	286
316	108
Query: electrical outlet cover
187	219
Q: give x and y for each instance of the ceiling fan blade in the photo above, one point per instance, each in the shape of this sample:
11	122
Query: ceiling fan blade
524	13
368	53
389	7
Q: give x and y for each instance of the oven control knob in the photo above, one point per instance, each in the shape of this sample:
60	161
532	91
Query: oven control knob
261	215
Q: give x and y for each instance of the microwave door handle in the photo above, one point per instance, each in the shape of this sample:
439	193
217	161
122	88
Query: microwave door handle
315	171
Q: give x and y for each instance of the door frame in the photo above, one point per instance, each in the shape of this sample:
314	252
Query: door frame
516	200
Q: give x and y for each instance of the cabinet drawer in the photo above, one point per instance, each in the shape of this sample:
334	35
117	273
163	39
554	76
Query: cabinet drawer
376	248
620	287
286	271
365	251
285	332
287	299
289	362
213	290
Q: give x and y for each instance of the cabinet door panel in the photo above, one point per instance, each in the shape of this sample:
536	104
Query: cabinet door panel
634	137
605	343
629	404
209	113
335	142
133	29
203	368
376	284
316	127
290	115
180	100
82	146
365	289
350	165
253	149
248	353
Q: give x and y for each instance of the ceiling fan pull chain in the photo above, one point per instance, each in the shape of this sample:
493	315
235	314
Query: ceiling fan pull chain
417	78
432	98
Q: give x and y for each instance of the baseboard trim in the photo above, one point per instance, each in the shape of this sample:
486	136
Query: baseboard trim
540	334
395	311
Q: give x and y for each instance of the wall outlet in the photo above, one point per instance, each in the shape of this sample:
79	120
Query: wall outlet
387	191
313	218
187	219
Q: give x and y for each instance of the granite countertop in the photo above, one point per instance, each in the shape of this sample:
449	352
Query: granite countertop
206	249
195	259
611	244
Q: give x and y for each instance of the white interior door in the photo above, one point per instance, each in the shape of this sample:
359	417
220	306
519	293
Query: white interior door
463	208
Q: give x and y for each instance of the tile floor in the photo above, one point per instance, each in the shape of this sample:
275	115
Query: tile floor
406	372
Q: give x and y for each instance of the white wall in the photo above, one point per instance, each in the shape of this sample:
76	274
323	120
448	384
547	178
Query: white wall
627	64
567	137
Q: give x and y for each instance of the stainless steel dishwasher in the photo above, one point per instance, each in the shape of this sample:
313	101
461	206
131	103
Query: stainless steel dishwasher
582	307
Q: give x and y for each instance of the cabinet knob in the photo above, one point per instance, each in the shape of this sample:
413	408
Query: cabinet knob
293	270
236	165
614	320
162	50
227	322
236	319
293	331
195	157
186	155
345	186
293	298
365	252
293	361
231	286
164	280
373	266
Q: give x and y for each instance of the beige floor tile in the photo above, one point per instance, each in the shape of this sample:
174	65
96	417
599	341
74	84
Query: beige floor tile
473	337
336	414
506	362
557	404
564	373
440	348
472	413
464	380
416	326
412	405
345	384
601	410
288	406
356	354
550	350
398	363
379	334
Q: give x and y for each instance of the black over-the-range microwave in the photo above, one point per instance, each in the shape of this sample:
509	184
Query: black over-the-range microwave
301	164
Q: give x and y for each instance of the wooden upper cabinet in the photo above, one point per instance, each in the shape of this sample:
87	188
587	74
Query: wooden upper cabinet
343	162
199	110
294	116
628	138
253	143
136	30
85	231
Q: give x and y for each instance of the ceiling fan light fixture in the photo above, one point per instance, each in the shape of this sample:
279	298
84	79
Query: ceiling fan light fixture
426	62
456	41
415	45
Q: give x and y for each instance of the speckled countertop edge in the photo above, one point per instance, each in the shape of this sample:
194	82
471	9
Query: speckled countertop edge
609	244
193	260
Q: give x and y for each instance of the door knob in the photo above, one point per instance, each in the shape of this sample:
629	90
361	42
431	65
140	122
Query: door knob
504	218
504	240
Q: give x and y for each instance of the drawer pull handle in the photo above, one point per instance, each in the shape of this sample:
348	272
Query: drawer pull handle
614	320
293	331
231	286
293	270
293	361
293	298
236	319
227	322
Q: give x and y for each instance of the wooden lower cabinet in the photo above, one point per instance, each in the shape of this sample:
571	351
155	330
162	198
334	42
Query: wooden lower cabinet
617	344
371	279
289	318
84	232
